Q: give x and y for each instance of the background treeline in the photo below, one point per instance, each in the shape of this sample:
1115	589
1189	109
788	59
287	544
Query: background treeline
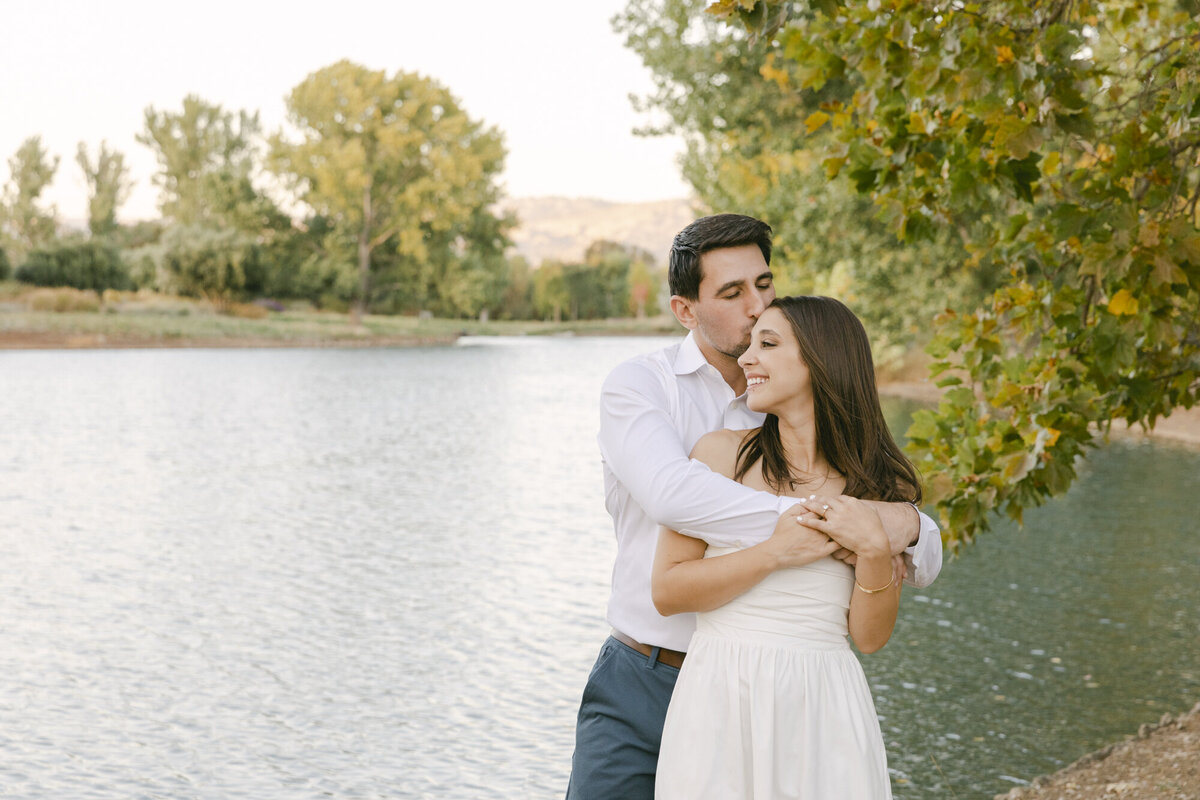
380	196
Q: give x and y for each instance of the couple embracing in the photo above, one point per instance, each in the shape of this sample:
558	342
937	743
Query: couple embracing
763	513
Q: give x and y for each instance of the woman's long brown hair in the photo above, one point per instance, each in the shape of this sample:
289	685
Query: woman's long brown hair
851	431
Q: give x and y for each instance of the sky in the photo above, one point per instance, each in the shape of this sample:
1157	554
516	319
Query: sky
551	74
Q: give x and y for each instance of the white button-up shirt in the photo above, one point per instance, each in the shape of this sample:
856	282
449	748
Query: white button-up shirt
653	409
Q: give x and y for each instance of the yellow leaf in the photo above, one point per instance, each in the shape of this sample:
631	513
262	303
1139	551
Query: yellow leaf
916	122
1123	304
815	120
1004	55
833	166
772	73
1050	163
1052	435
840	120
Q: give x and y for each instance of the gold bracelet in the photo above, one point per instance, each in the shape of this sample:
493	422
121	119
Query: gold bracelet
881	588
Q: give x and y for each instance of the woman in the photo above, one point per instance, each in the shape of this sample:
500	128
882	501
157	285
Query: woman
771	702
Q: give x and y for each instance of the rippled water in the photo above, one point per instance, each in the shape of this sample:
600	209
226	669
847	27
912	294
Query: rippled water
382	573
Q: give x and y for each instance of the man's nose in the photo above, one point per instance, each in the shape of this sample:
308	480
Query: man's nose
757	305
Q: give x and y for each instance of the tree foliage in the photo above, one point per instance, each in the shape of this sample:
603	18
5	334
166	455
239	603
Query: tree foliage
218	265
24	223
206	158
749	150
108	186
1062	140
407	181
86	265
612	280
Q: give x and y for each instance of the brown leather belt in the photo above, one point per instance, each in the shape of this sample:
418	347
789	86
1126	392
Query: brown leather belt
672	658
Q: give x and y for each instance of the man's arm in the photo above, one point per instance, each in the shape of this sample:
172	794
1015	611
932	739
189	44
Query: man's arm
640	444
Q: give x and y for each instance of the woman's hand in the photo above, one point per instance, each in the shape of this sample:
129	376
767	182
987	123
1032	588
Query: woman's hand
795	543
850	522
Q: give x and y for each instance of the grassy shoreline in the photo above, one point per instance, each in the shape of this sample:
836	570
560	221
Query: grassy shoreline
176	323
158	321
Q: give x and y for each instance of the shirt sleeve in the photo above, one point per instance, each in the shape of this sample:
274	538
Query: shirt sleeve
642	447
924	558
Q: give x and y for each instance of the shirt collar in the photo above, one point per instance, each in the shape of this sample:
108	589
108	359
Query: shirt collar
689	359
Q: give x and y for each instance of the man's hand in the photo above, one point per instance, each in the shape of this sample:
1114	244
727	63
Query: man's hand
794	544
852	523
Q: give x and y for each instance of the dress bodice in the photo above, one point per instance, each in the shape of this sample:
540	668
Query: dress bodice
804	606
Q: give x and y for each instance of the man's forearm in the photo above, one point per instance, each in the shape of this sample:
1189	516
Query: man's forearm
901	523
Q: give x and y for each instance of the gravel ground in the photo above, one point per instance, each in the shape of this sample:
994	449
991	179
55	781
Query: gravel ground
1162	762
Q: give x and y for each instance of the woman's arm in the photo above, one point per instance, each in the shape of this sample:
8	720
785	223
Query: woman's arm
875	601
684	580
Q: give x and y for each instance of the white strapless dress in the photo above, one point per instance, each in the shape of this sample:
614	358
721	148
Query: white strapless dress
771	701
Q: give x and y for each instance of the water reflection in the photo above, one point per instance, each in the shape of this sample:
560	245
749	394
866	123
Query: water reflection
382	573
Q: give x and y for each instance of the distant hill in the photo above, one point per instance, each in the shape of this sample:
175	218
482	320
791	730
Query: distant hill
563	227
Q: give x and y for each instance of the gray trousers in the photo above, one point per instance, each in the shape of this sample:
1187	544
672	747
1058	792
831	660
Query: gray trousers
620	725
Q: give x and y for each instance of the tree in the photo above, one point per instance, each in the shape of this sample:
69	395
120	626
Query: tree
108	187
550	297
406	178
24	223
749	150
1062	139
206	157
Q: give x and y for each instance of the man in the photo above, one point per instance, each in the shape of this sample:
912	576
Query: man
653	409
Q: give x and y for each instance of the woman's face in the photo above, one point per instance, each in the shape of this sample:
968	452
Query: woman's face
776	375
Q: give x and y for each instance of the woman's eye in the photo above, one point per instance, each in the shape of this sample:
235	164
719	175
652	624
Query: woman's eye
767	344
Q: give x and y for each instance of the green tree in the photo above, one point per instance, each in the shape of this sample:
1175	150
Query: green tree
515	299
206	157
108	187
24	223
550	296
1064	138
406	178
748	149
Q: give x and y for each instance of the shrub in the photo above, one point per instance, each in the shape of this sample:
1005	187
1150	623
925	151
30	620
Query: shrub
247	311
209	263
5	265
87	265
63	299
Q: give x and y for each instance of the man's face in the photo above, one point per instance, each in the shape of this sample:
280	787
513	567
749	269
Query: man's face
735	287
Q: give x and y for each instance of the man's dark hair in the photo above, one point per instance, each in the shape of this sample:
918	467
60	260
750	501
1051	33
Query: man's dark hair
711	233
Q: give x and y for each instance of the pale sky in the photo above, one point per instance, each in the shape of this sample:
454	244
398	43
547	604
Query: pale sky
551	74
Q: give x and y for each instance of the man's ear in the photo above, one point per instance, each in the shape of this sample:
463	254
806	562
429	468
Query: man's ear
681	307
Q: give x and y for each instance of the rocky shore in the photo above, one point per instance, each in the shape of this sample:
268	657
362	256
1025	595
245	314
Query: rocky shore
1160	762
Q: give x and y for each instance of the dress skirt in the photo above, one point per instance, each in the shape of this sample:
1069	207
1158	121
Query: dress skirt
771	702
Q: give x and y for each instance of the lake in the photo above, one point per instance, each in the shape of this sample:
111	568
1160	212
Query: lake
383	573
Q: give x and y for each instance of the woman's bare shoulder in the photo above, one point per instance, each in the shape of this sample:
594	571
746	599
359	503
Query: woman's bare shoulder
719	449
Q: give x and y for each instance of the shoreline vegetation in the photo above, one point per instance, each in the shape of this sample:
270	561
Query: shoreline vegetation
57	319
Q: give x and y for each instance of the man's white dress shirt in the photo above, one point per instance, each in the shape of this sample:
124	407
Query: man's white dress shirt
653	410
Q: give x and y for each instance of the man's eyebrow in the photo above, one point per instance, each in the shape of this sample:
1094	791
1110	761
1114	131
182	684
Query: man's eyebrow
766	276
